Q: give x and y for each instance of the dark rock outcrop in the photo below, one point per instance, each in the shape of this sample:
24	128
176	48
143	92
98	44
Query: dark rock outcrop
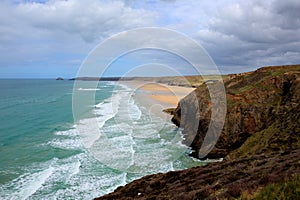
260	142
59	79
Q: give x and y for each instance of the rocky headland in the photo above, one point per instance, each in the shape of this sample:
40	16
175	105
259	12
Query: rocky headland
59	79
260	142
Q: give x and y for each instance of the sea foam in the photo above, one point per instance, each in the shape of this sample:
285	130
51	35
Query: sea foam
27	184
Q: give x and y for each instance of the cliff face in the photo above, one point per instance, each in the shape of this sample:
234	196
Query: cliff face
265	101
260	142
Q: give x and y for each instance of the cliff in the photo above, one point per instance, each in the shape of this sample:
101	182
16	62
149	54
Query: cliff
260	142
264	102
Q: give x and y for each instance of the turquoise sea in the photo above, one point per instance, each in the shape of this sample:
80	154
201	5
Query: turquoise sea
43	155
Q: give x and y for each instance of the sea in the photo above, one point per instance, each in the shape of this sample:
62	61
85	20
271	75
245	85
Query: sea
43	154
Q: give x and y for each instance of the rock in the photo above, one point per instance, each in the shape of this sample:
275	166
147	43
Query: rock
169	111
59	79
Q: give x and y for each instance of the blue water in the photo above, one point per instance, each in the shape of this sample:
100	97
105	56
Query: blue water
44	154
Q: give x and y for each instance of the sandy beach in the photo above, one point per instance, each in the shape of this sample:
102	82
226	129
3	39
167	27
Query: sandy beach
156	96
165	93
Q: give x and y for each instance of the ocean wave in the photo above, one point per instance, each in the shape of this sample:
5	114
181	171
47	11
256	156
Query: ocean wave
79	176
88	89
71	132
66	143
27	184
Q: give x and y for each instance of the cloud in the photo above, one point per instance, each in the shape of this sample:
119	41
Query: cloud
54	31
288	12
89	19
254	34
239	35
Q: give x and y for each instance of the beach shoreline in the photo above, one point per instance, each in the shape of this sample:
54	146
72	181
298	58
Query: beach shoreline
156	97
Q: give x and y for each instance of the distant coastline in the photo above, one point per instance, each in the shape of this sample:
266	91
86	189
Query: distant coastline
95	79
183	81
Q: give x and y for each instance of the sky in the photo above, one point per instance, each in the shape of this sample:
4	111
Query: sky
51	38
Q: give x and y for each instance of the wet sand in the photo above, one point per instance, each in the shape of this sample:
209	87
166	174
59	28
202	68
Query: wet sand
156	96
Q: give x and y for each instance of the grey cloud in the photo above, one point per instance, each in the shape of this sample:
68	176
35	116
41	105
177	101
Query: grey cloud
254	34
287	8
288	12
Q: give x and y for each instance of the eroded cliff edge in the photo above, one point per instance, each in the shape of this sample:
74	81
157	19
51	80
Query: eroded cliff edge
259	142
263	101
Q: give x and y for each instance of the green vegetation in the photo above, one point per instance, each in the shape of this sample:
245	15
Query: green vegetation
288	190
244	89
257	143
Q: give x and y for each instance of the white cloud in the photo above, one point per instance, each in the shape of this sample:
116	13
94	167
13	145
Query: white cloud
61	31
89	19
